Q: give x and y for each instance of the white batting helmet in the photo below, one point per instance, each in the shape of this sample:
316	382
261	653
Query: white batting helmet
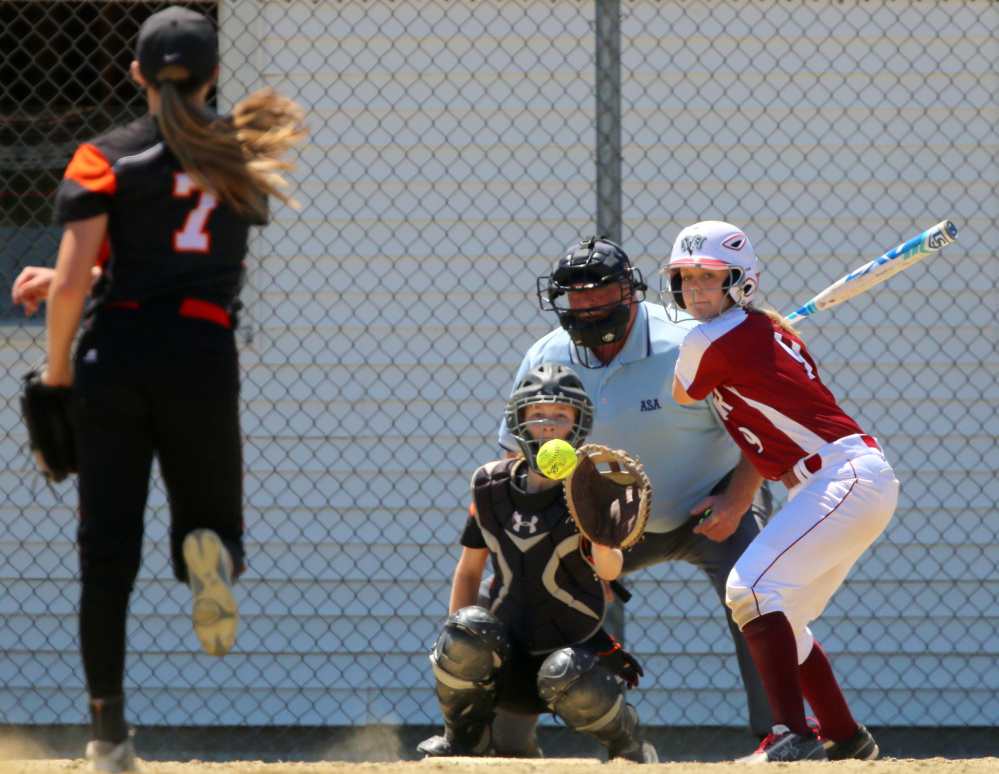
712	244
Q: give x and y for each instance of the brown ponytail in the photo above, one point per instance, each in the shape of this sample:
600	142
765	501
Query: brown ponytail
239	157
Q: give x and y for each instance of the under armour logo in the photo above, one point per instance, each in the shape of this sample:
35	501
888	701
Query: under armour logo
531	525
91	356
692	243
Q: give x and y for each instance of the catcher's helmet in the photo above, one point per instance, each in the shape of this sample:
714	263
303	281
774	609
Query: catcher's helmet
548	383
711	244
595	262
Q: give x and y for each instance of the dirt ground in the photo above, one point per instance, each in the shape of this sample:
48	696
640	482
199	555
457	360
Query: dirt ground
511	766
21	756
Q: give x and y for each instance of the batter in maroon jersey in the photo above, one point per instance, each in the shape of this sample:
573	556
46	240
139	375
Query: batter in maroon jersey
841	490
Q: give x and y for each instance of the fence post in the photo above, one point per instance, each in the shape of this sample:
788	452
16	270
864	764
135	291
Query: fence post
608	123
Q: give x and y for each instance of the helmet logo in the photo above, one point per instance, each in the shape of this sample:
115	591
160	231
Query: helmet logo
609	337
735	242
692	243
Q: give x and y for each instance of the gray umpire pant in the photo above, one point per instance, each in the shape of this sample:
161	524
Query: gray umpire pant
514	734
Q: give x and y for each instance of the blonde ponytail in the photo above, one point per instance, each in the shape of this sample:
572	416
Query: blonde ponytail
238	158
774	315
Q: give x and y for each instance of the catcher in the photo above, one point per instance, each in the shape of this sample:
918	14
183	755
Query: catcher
541	645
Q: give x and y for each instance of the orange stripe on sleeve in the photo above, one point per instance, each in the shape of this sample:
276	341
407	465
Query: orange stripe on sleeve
90	169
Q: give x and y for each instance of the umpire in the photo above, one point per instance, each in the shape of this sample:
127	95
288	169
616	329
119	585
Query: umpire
160	210
624	350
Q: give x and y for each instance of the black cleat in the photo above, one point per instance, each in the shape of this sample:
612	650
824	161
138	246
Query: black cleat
861	746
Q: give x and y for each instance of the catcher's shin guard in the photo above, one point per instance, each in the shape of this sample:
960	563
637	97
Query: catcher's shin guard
466	659
590	699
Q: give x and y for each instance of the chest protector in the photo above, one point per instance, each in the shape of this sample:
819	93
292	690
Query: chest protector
544	590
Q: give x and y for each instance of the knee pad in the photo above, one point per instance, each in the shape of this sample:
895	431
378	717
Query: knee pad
467	657
804	639
579	690
740	599
472	647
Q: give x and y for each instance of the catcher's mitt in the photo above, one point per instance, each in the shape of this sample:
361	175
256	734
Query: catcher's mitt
47	412
611	507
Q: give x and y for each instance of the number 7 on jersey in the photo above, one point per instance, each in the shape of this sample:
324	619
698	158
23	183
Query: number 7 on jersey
194	237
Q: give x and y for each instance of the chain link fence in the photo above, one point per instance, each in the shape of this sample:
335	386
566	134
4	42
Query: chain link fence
453	155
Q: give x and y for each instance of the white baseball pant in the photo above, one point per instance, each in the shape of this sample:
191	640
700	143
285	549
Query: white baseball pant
803	555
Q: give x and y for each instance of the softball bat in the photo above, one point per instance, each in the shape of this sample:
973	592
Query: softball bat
880	269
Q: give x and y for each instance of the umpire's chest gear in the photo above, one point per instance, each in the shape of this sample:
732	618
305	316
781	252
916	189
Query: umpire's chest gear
545	589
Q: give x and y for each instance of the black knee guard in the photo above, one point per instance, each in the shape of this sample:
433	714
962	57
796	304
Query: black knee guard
589	698
577	689
466	658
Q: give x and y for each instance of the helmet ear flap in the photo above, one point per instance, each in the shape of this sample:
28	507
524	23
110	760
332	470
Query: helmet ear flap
735	285
675	288
742	285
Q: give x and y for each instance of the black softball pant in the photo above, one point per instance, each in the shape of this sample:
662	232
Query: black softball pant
149	384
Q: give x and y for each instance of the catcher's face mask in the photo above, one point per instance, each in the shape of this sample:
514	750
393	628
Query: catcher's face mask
556	385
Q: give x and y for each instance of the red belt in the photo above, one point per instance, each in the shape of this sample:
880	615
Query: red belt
189	307
813	464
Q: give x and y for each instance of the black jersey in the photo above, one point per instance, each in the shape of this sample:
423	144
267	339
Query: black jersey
166	237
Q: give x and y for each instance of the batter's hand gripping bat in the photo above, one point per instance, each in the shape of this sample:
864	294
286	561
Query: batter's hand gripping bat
880	269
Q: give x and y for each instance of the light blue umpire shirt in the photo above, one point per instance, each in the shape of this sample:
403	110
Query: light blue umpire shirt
685	449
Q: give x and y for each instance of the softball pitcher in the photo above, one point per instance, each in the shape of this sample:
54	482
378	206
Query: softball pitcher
159	210
841	490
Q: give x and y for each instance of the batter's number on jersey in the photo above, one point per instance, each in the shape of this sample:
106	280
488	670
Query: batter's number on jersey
794	350
193	238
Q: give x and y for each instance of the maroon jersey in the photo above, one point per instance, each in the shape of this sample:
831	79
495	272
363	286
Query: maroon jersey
166	237
765	386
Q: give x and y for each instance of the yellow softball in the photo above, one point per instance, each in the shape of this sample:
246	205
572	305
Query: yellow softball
556	459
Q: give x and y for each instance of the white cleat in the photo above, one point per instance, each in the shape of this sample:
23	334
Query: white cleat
209	571
781	745
110	757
